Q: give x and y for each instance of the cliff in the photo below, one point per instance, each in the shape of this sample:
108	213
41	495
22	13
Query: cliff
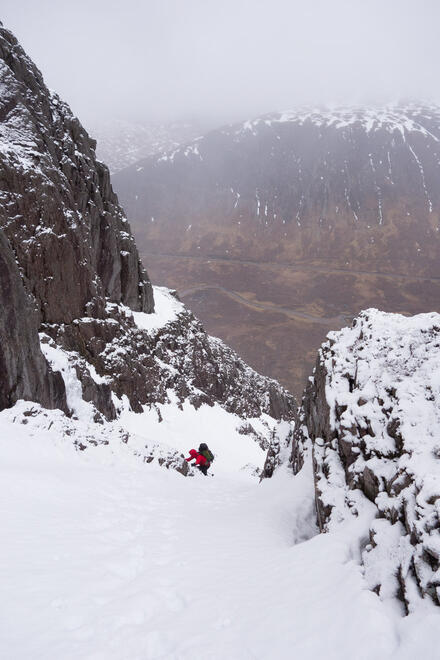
371	417
66	246
78	313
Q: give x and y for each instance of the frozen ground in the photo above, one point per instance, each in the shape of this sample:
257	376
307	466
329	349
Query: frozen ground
106	558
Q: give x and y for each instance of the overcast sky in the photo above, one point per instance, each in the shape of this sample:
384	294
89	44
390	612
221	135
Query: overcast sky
227	59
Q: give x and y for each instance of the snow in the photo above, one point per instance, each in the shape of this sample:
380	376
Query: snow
62	361
405	119
422	175
166	309
123	143
186	428
107	556
186	151
117	559
398	352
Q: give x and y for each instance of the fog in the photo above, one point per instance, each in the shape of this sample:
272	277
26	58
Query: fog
228	59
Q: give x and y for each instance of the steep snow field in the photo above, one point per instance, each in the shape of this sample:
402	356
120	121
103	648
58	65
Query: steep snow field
104	557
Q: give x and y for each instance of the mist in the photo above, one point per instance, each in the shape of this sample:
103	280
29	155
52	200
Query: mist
166	60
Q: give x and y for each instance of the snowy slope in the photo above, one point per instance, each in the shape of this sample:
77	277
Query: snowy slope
104	557
107	555
403	119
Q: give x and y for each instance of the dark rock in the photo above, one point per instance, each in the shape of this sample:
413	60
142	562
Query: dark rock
99	394
203	369
58	209
66	247
370	484
25	373
399	482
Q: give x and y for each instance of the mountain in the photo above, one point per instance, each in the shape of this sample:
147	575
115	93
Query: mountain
319	185
71	271
113	545
286	226
121	143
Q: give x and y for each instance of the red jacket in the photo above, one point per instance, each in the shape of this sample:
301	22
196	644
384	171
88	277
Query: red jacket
200	459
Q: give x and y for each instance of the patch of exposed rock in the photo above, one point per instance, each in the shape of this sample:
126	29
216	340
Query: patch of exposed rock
58	209
24	371
372	415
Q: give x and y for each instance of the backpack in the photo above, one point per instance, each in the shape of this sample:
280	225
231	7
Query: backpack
208	455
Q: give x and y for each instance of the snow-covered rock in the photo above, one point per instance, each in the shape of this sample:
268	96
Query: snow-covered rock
372	414
144	356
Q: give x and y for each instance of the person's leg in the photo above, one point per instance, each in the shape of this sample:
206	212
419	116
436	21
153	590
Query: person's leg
203	469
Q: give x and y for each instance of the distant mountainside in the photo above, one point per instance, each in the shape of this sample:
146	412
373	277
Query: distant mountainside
120	143
283	227
348	186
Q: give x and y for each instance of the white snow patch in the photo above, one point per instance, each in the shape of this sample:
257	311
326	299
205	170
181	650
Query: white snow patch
166	310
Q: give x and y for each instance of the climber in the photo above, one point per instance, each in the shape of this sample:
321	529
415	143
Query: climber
203	458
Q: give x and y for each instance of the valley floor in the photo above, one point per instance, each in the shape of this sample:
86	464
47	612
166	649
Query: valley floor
276	315
106	559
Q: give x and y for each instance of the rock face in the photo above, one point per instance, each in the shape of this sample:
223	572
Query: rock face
57	207
145	365
70	269
372	414
65	244
25	373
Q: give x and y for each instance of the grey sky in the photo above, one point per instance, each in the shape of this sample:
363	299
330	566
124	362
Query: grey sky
168	59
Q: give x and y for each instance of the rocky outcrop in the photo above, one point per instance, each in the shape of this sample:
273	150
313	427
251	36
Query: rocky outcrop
57	207
25	373
177	356
371	413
